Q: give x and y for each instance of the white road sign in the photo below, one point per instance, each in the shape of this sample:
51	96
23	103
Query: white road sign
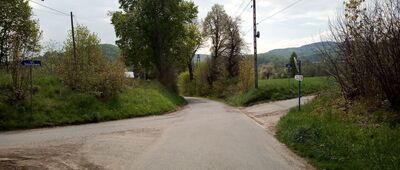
299	77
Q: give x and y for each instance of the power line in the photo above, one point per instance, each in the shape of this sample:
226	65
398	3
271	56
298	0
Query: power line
245	9
49	8
276	13
49	12
240	7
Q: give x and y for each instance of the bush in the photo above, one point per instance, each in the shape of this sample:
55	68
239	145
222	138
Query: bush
366	62
246	75
90	71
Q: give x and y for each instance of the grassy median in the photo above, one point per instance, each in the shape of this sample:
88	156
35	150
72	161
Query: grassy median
334	134
56	105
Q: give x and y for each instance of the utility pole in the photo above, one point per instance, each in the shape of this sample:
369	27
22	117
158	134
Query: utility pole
74	46
299	92
256	35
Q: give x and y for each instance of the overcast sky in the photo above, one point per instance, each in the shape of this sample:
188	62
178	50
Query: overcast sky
301	24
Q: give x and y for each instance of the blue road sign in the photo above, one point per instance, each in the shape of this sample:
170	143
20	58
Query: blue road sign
31	63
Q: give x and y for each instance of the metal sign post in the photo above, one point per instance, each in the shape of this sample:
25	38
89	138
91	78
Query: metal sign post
31	64
299	78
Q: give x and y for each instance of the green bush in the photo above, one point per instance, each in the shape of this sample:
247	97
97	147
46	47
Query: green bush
90	71
185	86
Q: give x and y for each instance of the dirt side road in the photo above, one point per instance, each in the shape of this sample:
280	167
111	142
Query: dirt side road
204	135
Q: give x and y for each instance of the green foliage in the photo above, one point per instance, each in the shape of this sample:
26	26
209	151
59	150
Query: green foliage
293	70
56	105
111	52
279	89
246	74
19	40
333	139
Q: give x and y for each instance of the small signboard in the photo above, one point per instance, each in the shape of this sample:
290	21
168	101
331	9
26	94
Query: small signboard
299	77
31	63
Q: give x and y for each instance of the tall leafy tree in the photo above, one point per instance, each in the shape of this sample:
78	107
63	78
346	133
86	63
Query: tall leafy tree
293	69
90	71
215	28
234	46
148	31
190	43
19	39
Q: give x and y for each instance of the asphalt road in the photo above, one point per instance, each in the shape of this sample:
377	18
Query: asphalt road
203	135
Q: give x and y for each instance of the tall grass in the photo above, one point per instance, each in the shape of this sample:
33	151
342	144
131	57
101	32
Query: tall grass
55	105
334	139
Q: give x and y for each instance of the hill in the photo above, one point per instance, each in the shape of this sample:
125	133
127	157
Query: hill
308	52
110	51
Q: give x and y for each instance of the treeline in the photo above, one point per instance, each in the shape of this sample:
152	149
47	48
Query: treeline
367	62
158	38
88	71
228	70
280	70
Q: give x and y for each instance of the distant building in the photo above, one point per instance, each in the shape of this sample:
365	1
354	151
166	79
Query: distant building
130	75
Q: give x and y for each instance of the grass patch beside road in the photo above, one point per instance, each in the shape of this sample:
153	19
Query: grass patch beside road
56	105
279	89
332	138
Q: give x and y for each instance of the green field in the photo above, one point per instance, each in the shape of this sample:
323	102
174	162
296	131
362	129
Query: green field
55	105
332	138
280	89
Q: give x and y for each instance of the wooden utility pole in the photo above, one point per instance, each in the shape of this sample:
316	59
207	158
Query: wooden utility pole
74	46
256	35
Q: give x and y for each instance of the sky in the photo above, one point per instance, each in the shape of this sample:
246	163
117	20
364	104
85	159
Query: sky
304	23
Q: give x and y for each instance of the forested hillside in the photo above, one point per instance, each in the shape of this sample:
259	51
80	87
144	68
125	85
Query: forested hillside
308	52
110	51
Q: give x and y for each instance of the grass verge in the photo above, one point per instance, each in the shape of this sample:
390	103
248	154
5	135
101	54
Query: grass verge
332	136
278	89
55	105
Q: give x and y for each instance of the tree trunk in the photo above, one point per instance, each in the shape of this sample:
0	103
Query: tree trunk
190	67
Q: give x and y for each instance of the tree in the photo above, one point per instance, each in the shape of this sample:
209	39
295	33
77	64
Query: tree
293	70
215	28
189	44
148	32
19	40
234	45
267	71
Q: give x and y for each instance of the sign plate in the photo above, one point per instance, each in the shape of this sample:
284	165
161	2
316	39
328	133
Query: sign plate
299	77
31	63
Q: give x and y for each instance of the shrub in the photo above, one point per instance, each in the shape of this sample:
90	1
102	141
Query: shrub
246	75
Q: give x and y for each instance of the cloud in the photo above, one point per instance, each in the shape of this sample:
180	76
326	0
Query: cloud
289	28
